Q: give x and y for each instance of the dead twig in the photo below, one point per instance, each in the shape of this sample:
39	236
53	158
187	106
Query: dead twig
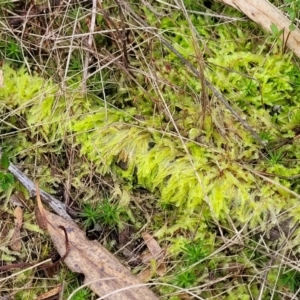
55	204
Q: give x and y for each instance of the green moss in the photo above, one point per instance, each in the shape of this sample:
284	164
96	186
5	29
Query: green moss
199	174
109	136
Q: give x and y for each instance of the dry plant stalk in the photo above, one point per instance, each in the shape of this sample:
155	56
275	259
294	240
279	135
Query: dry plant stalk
200	61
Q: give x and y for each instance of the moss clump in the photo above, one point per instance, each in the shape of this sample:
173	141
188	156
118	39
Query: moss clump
208	179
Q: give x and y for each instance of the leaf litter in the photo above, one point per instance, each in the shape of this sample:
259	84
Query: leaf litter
99	266
155	259
16	243
103	272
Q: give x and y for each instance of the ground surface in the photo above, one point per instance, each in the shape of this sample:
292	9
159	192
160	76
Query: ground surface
106	108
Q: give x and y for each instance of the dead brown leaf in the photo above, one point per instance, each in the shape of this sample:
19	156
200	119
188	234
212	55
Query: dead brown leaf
146	257
18	213
55	291
39	210
18	199
161	269
153	246
40	219
100	267
145	275
156	253
15	243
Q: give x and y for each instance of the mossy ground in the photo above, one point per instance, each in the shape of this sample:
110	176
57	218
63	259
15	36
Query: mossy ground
132	128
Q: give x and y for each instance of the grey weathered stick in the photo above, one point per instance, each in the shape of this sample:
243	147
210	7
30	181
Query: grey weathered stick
55	204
